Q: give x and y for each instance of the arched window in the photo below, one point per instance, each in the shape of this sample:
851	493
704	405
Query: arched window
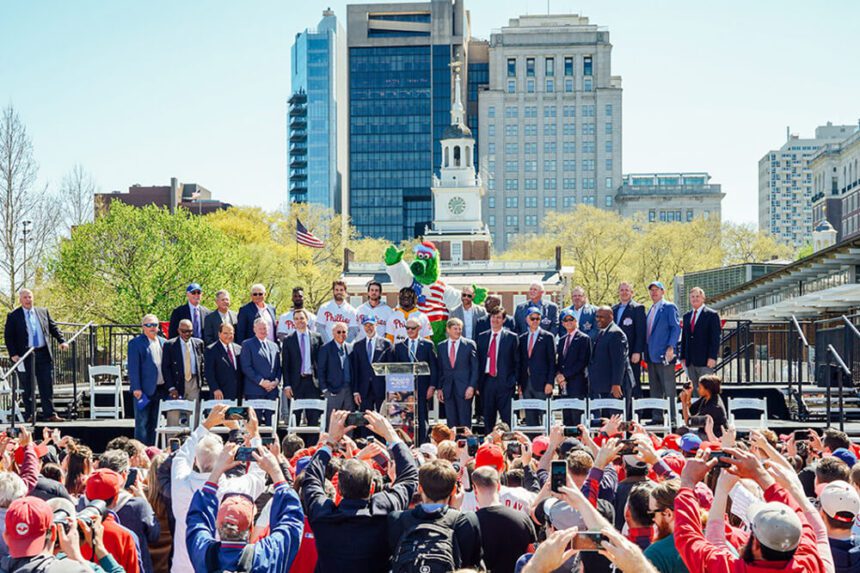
446	156
456	156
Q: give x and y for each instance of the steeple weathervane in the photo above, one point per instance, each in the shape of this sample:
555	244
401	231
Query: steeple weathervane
458	112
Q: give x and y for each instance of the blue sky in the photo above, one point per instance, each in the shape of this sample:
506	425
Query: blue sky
138	92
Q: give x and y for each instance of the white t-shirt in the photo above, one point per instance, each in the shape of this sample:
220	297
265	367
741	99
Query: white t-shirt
517	498
396	331
382	313
286	325
329	313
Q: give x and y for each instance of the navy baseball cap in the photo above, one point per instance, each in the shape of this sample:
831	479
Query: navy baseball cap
534	310
193	287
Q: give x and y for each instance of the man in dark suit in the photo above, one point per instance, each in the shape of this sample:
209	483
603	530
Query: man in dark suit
335	371
192	310
498	362
537	362
584	311
145	379
31	327
458	374
629	315
299	351
417	349
700	338
549	311
257	308
261	367
222	368
609	373
368	389
182	366
222	314
483	323
572	358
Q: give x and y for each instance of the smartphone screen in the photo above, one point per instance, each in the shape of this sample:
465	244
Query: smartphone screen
801	435
572	432
174	444
356	419
472	445
131	479
587	541
268	440
244	454
558	475
236	413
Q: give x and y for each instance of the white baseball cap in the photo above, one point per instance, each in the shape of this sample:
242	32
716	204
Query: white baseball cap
775	525
840	501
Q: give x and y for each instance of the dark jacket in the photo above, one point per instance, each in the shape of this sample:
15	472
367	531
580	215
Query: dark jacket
548	321
507	359
610	365
703	341
260	364
633	325
173	363
353	536
184	313
426	353
538	370
364	381
464	374
329	367
212	323
573	365
15	332
291	355
220	373
483	324
247	315
466	530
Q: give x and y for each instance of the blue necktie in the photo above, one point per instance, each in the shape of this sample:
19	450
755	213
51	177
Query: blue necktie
370	350
345	363
34	326
302	350
196	323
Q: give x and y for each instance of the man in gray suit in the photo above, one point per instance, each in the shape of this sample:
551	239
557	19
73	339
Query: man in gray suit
469	313
213	320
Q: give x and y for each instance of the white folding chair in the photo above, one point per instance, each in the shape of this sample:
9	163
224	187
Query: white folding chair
106	381
294	416
757	404
532	404
163	430
647	404
604	404
562	405
264	405
206	407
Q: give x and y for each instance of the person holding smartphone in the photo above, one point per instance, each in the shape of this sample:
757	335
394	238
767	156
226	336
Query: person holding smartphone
710	403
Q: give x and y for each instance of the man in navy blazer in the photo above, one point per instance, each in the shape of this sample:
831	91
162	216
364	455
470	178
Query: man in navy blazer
498	362
192	310
368	389
537	363
483	323
573	353
584	312
335	371
261	367
458	374
300	352
700	338
417	349
609	372
145	379
629	315
549	311
179	383
257	308
222	368
662	332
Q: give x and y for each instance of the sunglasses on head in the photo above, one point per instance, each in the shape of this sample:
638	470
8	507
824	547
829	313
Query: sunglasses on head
150	324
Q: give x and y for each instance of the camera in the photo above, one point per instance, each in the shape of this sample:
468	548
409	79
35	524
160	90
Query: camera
94	511
572	432
356	419
697	421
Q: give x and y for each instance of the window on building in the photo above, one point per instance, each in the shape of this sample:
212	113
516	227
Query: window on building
689	215
512	86
608	165
512	202
491	111
491	129
530	86
491	184
588	110
608	147
530	148
569	183
511	129
550	129
531	220
512	166
569	111
608	183
568	85
587	85
549	183
549	202
512	67
568	65
491	166
652	216
549	147
608	128
587	129
589	200
530	67
588	146
550	86
512	184
512	149
512	220
491	202
530	165
491	220
511	111
549	165
530	201
549	111
588	183
588	165
530	184
530	129
568	202
586	66
491	148
609	110
608	200
530	111
549	69
568	165
569	128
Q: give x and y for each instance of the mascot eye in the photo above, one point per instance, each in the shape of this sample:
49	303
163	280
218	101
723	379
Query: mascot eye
423	256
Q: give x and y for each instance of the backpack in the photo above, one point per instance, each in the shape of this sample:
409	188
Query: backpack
246	559
428	546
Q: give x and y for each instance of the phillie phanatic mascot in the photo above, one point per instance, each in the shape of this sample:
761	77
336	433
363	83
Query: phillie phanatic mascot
435	298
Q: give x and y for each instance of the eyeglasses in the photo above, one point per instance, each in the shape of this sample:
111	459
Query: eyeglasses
534	318
150	324
185	331
257	293
568	319
411	328
196	292
653	512
464	295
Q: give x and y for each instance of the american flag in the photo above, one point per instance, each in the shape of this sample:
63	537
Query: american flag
306	238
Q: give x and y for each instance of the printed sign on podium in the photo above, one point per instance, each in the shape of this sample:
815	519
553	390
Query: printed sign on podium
401	401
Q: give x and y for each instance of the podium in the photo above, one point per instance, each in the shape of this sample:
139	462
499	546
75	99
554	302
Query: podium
401	394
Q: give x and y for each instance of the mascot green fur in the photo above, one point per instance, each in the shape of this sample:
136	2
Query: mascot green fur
435	298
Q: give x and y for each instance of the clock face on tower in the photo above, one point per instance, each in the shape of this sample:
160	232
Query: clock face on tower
457	205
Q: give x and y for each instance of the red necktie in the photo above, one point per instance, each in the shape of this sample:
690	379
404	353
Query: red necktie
230	355
531	344
452	352
493	356
693	321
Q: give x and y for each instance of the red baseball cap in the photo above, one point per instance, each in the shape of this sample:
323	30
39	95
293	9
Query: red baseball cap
671	442
28	519
237	510
103	484
41	450
539	446
490	455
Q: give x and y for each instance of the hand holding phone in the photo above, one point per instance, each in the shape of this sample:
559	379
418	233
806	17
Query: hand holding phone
558	475
356	419
472	444
243	454
236	413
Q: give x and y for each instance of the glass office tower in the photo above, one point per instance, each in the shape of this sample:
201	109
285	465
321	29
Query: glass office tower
399	107
317	157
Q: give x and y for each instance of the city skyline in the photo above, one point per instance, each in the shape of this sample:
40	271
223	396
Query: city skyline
140	94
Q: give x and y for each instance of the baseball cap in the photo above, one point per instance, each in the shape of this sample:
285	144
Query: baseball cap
846	456
632	461
539	446
302	463
690	442
103	484
368	318
671	442
62	504
840	501
193	287
41	450
152	451
775	525
562	516
428	449
27	521
567	312
657	284
237	510
490	455
533	310
567	445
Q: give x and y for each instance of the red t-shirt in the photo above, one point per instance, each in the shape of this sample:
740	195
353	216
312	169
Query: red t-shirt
306	558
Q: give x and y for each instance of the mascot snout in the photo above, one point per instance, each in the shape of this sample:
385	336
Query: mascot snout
418	267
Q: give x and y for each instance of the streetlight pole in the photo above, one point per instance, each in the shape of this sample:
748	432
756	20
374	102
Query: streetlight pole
27	227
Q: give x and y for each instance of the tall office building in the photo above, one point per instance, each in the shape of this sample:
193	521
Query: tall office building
399	108
669	197
836	187
785	184
317	147
550	122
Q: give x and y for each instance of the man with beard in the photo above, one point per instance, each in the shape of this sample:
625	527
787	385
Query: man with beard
286	322
337	310
375	307
407	309
662	553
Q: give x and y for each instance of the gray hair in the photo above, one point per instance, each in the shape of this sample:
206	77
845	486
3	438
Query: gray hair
116	460
12	487
186	322
260	286
208	449
148	318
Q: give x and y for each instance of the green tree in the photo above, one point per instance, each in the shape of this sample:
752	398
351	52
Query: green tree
743	243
